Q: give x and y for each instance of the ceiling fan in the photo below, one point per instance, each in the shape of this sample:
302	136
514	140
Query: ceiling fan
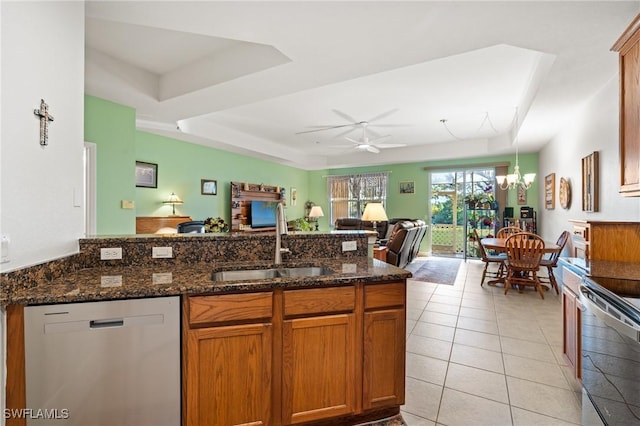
354	124
367	144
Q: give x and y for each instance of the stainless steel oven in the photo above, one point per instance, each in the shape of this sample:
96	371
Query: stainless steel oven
611	350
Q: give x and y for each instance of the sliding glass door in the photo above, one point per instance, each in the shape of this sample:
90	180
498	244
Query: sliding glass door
462	204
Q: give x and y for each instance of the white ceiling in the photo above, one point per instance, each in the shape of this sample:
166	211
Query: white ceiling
249	77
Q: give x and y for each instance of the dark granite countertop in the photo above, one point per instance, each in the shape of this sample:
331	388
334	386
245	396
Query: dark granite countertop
125	282
603	268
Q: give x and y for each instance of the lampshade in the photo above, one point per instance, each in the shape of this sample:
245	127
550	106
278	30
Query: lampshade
316	211
173	200
374	212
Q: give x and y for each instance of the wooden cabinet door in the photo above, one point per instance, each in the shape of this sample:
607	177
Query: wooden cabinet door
384	353
229	375
319	368
629	49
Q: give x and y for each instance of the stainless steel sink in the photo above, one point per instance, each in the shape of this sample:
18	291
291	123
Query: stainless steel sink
262	274
309	271
247	274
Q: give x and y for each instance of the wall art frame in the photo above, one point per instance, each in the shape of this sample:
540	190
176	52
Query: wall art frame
407	187
146	175
590	182
208	187
550	191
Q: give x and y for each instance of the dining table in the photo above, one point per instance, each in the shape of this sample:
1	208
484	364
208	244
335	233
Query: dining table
498	244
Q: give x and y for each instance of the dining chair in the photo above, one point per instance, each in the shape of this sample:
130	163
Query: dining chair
552	261
507	231
487	259
524	254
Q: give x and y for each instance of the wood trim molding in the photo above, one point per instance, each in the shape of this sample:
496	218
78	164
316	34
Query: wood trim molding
468	166
628	34
16	396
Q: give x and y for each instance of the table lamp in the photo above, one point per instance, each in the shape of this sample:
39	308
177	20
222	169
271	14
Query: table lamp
374	212
173	200
315	213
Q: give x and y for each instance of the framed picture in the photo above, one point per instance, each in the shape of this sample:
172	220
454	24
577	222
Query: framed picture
294	196
550	191
522	195
590	182
208	187
146	175
407	187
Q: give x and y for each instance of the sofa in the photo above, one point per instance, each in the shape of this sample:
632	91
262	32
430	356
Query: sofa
351	224
401	236
404	241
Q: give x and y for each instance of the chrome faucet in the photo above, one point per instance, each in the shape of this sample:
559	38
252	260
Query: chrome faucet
281	229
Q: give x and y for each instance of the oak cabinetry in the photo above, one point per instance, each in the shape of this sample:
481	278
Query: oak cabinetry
571	320
599	240
319	366
384	346
292	356
227	367
629	62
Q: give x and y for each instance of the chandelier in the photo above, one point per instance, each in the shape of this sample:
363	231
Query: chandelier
515	179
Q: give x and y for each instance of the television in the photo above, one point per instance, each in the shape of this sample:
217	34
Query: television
263	213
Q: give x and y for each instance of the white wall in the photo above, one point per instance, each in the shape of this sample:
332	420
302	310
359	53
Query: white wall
594	128
42	57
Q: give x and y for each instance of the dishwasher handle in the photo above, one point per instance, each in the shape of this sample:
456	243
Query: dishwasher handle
106	323
588	299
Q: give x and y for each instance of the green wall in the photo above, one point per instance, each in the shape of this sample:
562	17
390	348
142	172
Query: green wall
181	166
112	128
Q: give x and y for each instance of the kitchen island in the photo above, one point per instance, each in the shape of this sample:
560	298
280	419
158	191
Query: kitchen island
277	350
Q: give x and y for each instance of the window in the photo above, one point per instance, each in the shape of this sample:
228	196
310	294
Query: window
349	194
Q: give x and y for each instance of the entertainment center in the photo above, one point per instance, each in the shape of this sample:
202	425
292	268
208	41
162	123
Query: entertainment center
253	206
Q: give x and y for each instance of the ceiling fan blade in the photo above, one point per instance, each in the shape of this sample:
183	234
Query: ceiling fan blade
390	145
373	149
346	132
346	116
383	115
354	141
325	128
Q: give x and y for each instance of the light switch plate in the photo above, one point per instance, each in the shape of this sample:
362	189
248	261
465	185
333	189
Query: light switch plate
127	204
349	245
162	252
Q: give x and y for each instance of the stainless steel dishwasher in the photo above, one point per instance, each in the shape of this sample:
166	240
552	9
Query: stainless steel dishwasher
103	363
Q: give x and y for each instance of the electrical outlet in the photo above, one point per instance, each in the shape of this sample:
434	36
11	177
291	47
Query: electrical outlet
111	281
113	253
162	278
162	252
4	249
349	245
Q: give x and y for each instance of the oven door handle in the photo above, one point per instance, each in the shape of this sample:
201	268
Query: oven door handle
609	320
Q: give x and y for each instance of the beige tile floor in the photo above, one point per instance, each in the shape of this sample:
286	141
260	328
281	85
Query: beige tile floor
476	356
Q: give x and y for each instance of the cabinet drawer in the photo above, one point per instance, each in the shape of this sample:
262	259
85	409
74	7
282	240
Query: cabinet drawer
571	280
230	307
581	232
319	300
384	295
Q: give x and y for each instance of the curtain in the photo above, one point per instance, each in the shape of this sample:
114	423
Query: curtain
348	194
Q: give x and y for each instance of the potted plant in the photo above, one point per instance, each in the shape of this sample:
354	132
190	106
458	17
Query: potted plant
471	200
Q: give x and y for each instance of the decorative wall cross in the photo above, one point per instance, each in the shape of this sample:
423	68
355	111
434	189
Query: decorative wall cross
45	118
